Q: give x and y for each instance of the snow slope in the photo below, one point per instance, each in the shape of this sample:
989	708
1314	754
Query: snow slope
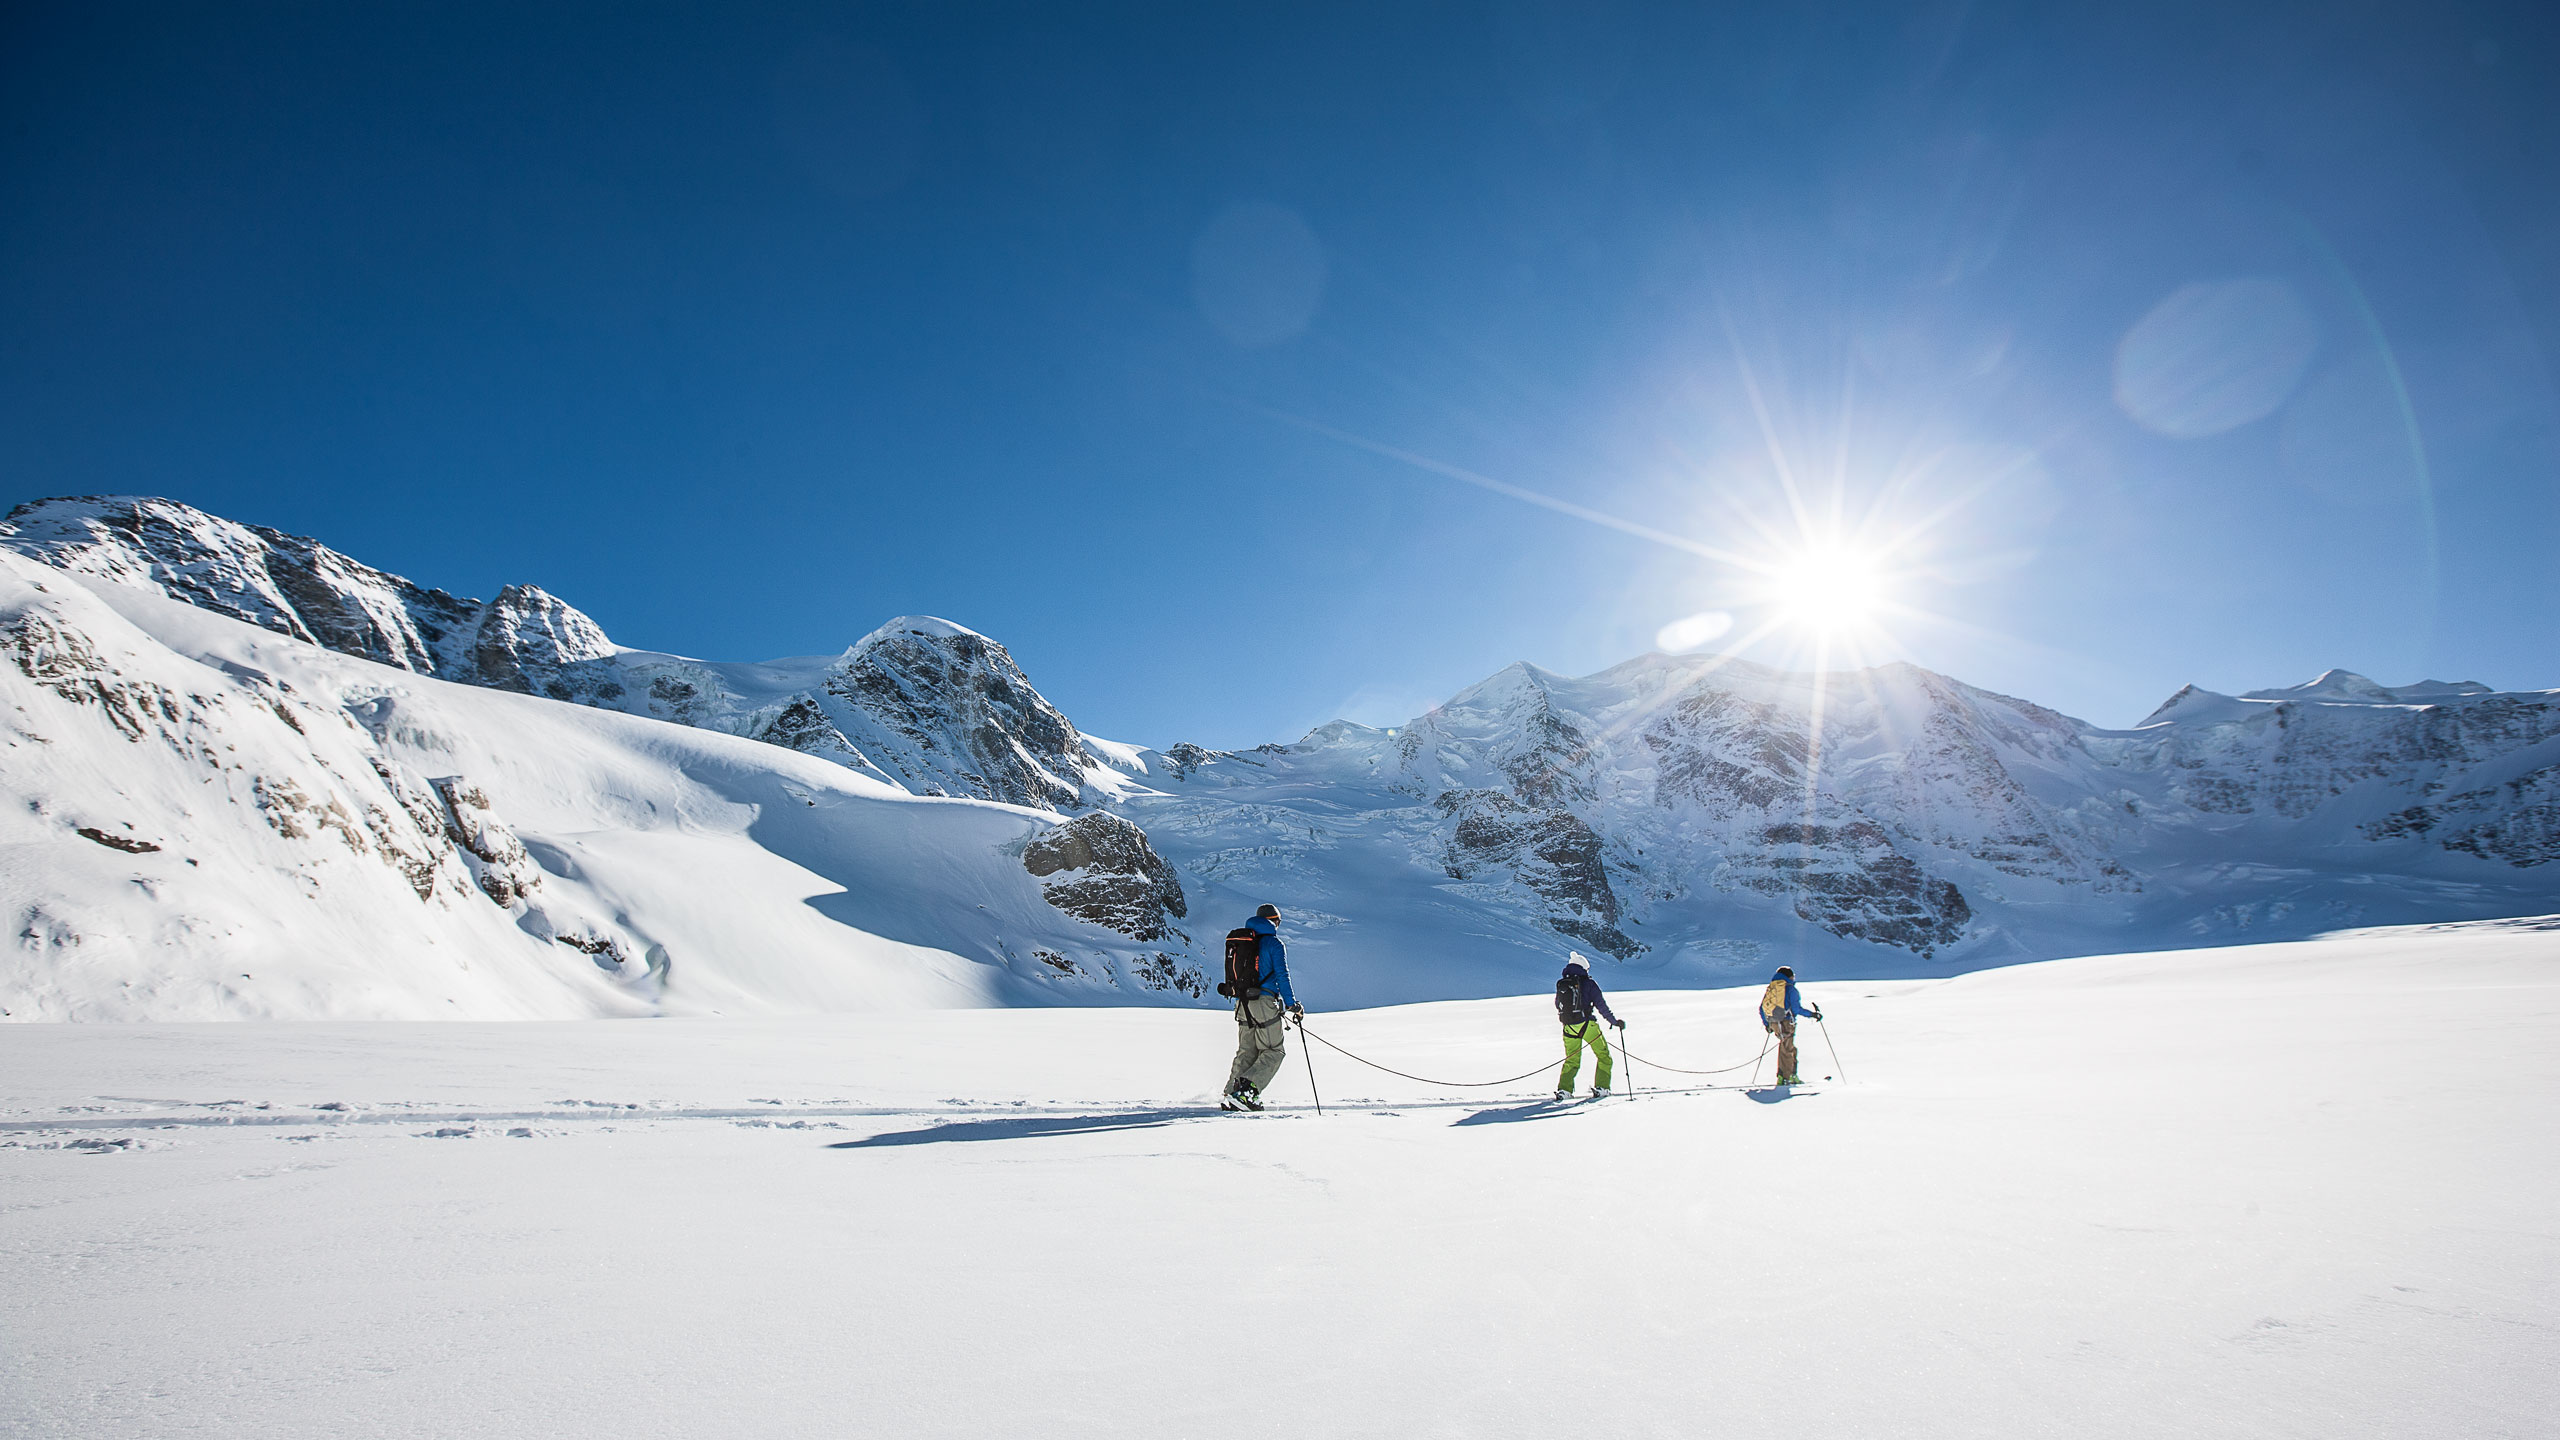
217	821
2297	1190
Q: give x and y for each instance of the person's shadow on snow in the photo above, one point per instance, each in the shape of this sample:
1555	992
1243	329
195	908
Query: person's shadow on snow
1511	1114
1772	1094
1023	1127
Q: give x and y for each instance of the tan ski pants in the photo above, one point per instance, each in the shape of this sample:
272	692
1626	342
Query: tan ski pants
1787	1046
1261	1042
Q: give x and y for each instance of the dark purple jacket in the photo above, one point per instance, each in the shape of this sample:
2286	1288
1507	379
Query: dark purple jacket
1592	999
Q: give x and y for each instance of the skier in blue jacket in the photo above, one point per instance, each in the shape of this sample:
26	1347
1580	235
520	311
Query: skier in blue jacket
1779	1007
1261	1037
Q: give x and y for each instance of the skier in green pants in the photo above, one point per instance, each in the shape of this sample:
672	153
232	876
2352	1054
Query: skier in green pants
1577	998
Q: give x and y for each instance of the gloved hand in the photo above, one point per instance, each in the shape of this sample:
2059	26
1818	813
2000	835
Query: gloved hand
1817	1014
1621	1024
1298	1012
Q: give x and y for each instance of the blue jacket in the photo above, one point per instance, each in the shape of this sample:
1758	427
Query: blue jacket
1592	999
1793	1002
1275	959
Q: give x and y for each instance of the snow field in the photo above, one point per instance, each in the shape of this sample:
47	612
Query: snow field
2289	1190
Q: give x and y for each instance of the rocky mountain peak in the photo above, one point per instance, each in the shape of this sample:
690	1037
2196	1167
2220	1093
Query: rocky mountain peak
296	586
948	709
525	638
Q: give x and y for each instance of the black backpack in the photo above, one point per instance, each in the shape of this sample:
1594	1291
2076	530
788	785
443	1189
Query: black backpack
1244	964
1569	1006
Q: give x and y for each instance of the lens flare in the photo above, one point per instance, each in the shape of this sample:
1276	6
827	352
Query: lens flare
1692	632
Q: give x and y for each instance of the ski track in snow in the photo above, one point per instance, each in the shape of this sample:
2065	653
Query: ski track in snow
2287	1190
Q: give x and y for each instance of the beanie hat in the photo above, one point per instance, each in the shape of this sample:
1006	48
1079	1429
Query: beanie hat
1787	970
1573	961
1268	912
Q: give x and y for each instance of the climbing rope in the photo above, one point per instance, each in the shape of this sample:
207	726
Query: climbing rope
1754	1061
1543	1066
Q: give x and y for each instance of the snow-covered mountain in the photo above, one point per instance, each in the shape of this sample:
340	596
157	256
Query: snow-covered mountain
211	819
1689	814
923	703
1689	817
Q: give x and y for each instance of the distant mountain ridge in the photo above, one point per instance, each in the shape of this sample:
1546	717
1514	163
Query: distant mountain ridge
945	708
1679	814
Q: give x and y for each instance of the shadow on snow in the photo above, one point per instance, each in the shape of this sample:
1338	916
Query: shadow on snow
1512	1114
1025	1127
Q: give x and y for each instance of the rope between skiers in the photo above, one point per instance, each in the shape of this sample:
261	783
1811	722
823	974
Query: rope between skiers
1543	1066
1676	1070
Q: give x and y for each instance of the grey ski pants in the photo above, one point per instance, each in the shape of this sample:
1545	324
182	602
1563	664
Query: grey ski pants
1261	1041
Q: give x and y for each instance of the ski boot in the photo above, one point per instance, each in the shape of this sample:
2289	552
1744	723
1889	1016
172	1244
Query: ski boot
1242	1098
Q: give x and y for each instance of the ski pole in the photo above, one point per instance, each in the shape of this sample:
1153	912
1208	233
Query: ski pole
1757	1059
1834	1049
1629	1056
1309	1056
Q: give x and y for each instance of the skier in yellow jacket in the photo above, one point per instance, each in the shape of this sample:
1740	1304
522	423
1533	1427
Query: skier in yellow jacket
1779	1007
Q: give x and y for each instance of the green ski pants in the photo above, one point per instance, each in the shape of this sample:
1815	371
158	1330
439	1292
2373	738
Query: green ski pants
1574	1035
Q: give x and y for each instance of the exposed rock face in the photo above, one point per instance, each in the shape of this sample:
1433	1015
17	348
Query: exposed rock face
499	862
1185	760
530	641
948	711
1654	781
524	640
2517	822
62	660
1850	880
1551	852
1099	868
802	725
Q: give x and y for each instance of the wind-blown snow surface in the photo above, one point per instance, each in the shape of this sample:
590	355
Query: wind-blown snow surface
2287	1190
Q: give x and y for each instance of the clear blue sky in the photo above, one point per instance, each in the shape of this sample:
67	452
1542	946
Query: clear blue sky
2158	343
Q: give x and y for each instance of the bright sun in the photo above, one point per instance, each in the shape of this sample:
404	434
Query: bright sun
1826	587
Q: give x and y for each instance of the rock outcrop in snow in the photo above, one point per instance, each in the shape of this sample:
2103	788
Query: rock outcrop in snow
1099	868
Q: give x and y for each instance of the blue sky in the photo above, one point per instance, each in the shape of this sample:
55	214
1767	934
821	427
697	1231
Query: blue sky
1241	367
